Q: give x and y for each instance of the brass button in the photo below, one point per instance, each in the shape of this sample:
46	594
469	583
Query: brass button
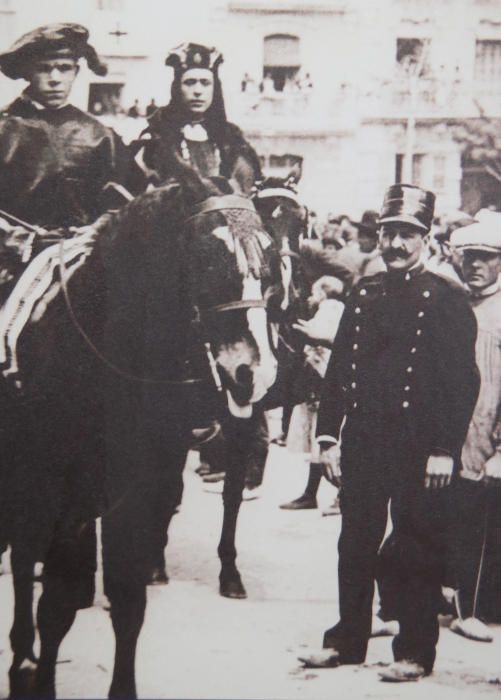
353	385
355	347
407	388
421	314
405	404
426	294
413	350
357	310
409	369
363	292
419	331
354	366
357	329
355	404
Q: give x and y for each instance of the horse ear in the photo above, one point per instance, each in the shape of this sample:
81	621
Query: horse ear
242	176
295	173
193	185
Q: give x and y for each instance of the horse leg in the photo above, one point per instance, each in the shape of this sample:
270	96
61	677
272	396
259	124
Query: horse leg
68	585
230	582
22	635
56	613
166	498
128	605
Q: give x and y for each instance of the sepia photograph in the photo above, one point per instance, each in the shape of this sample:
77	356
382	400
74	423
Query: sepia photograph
250	349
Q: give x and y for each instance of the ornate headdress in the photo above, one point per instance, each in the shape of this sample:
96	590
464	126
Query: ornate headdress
189	55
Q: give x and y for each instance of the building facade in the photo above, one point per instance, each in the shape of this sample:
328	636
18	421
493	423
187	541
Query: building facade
362	92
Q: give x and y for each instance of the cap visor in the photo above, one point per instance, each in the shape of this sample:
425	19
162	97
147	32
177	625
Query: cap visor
403	219
478	246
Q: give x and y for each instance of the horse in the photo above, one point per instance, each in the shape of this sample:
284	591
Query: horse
159	325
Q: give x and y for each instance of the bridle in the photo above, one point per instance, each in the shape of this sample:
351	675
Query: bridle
211	204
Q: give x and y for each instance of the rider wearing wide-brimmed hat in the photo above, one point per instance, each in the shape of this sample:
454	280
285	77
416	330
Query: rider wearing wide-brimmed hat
55	159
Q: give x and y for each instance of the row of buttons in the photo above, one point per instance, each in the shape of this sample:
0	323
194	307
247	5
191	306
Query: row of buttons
413	350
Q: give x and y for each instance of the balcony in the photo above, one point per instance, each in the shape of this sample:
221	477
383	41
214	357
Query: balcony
304	112
432	99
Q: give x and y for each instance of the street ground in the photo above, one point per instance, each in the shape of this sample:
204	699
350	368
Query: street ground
196	644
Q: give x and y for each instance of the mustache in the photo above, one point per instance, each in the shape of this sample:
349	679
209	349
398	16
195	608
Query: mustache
395	255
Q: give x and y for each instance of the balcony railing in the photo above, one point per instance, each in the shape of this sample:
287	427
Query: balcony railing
344	107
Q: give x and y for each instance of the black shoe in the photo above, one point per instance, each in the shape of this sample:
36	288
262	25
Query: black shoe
302	503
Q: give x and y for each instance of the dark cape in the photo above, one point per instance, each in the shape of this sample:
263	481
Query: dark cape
54	165
165	135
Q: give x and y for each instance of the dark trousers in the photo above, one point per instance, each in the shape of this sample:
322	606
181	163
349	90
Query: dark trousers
373	472
476	512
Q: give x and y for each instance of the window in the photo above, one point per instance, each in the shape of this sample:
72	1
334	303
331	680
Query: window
410	54
439	172
488	63
281	61
417	168
105	98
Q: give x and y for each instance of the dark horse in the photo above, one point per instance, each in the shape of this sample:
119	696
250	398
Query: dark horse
165	326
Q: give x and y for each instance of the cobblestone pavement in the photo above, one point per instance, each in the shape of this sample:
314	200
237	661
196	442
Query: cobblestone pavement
195	644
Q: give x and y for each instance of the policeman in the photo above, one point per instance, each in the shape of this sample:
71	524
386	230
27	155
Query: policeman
402	377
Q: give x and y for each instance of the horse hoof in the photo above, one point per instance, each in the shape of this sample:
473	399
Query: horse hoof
232	587
158	577
22	679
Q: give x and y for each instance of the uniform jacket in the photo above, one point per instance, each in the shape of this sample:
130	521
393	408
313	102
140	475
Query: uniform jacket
404	355
55	163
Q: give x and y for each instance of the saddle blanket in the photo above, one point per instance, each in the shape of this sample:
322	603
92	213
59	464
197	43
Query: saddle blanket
38	285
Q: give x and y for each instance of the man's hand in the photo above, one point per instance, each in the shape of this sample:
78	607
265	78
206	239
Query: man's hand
330	459
492	475
438	471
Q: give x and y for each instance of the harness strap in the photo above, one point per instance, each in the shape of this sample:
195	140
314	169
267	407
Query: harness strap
92	346
239	304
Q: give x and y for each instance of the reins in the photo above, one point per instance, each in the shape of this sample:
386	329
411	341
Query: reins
229	306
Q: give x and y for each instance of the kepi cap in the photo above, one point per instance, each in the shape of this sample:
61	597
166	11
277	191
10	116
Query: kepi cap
408	204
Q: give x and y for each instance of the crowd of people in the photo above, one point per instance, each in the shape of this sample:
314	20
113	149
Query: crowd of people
395	390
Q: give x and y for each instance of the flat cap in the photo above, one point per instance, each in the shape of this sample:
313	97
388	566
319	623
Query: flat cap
50	40
482	235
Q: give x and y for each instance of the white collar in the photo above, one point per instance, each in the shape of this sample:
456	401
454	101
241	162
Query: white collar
486	292
39	107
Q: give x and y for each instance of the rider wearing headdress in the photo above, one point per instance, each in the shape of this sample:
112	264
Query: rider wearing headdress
193	126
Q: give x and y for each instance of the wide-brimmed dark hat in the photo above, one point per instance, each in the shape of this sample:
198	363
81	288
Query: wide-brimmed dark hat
408	204
189	55
369	223
51	40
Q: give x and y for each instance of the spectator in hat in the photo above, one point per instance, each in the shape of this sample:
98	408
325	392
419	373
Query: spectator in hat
477	491
362	254
55	160
194	127
446	261
402	381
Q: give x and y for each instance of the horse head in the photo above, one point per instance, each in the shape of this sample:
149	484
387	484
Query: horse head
233	275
